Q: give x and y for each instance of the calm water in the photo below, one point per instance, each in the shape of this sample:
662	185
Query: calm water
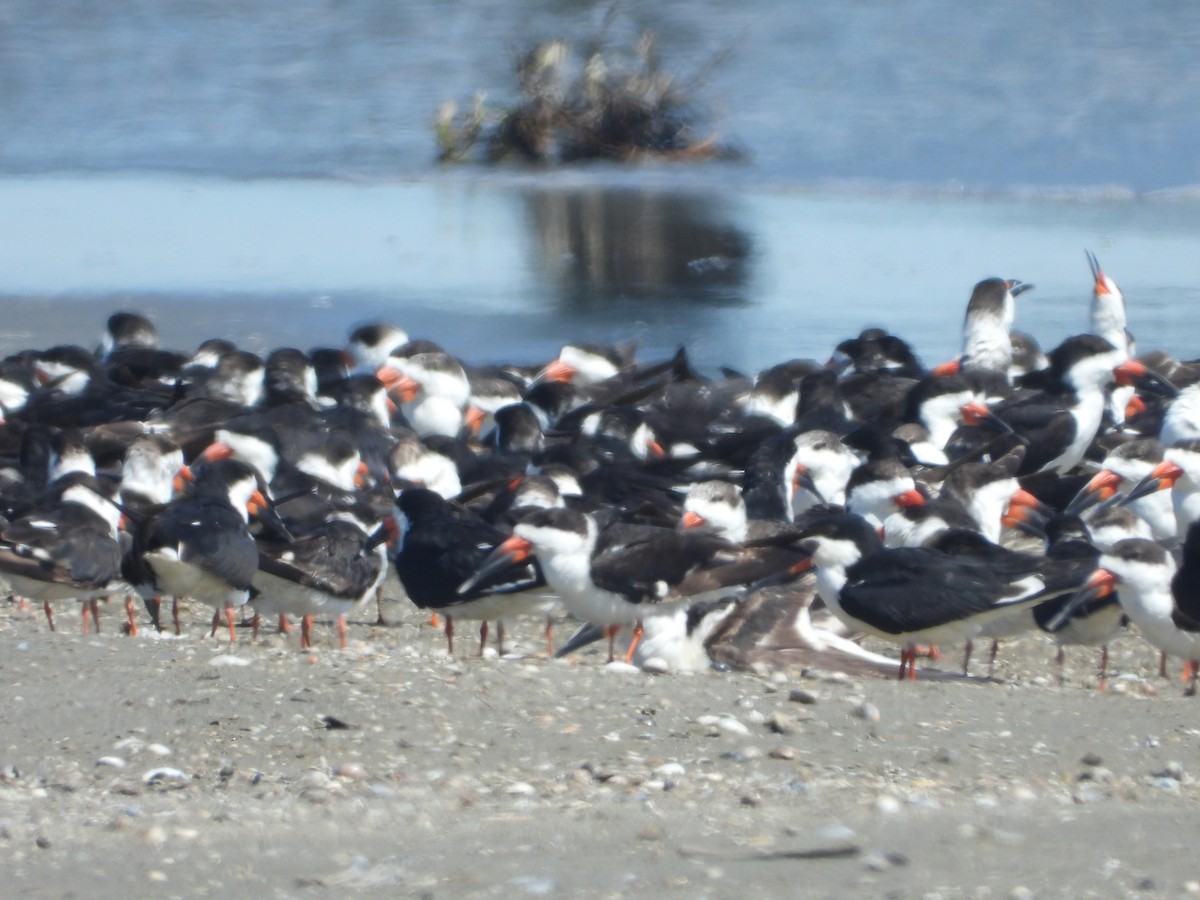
897	154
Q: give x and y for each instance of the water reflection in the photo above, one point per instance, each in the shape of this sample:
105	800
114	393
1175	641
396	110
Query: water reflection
600	245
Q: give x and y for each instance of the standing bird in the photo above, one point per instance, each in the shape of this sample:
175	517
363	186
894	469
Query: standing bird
1162	600
437	546
200	546
66	548
912	596
609	580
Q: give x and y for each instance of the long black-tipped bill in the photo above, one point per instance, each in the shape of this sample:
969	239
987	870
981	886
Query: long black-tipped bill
1100	583
515	551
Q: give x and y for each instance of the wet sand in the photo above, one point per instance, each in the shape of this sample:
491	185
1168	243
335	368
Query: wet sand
188	767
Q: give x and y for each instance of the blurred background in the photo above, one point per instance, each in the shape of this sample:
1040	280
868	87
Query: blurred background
266	172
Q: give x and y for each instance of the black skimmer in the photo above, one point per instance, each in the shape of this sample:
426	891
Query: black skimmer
436	547
1059	424
628	576
1123	469
1109	321
911	596
148	474
1163	601
66	548
987	343
878	488
1181	421
1179	471
200	546
433	390
1097	622
328	570
764	631
370	345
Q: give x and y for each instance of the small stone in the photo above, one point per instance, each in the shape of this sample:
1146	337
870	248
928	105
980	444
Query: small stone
521	789
159	749
616	667
839	834
313	779
112	762
887	805
155	875
43	842
746	754
784	753
1172	770
945	756
1165	783
164	774
534	885
876	862
751	800
1020	892
730	725
352	771
656	665
670	770
1091	759
782	723
867	711
227	660
799	695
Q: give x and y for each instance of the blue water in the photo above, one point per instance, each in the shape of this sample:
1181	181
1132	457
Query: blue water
266	172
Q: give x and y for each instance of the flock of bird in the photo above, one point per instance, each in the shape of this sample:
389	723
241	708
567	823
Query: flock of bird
771	519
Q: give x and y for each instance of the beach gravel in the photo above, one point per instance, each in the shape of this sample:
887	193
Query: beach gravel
131	765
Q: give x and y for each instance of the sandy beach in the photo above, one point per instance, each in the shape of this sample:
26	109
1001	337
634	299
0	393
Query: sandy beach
187	767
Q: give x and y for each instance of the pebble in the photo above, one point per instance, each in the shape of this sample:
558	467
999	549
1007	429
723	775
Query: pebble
656	666
112	762
1172	770
839	834
726	723
350	770
867	711
535	885
163	774
227	660
945	755
159	749
876	862
782	723
616	667
799	695
1091	759
782	753
745	754
887	805
670	770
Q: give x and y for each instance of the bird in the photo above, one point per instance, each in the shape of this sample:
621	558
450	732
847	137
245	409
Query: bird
200	545
911	596
329	569
1160	598
66	548
437	546
619	580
